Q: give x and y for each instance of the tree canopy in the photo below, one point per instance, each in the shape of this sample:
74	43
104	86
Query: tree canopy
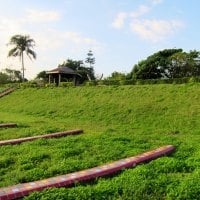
10	76
78	66
168	63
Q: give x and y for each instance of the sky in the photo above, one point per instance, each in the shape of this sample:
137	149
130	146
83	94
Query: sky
120	33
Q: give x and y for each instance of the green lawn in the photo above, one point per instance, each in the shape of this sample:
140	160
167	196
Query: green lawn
118	121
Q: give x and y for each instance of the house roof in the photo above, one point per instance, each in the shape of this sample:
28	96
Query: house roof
63	70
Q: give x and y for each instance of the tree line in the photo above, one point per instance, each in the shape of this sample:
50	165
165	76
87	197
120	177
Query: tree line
164	64
168	63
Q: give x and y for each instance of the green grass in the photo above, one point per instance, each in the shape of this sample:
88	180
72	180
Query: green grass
1	89
119	121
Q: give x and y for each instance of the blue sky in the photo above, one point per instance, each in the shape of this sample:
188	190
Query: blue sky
119	32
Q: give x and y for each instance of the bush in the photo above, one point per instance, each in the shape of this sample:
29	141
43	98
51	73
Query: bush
90	83
29	84
109	82
180	80
128	82
194	79
51	85
66	84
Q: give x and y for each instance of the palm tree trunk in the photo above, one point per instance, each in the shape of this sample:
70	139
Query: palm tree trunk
22	66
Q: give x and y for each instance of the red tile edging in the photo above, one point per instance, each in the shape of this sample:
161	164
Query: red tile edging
51	135
8	125
7	91
20	190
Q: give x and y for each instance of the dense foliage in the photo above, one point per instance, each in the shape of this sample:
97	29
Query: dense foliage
168	63
10	76
87	73
119	121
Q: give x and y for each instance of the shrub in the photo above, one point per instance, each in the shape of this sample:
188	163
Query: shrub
29	84
90	83
127	82
66	84
50	85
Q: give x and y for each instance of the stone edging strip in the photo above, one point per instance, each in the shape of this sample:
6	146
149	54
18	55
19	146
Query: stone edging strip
8	125
51	135
20	190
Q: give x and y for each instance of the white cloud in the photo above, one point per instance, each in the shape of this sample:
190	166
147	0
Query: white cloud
40	16
120	19
52	45
155	2
143	9
155	30
140	11
9	26
78	39
48	40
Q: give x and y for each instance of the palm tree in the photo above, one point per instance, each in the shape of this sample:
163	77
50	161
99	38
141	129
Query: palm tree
22	43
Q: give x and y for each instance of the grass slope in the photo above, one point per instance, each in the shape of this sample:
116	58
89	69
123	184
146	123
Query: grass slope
119	121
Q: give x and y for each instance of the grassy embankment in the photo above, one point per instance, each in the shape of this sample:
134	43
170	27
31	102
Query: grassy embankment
118	122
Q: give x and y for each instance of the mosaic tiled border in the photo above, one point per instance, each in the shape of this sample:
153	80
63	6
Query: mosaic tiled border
51	135
8	125
7	91
20	190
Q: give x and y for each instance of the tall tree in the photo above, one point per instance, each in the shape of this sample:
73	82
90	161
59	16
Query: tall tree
73	64
14	75
117	76
22	43
42	76
90	58
155	66
91	61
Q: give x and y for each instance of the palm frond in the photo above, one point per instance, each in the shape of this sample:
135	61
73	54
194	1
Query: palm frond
30	53
14	52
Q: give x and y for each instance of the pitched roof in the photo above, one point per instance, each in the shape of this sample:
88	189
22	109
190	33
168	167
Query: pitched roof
62	70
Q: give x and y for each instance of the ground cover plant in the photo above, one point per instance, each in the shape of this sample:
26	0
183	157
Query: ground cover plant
119	121
1	89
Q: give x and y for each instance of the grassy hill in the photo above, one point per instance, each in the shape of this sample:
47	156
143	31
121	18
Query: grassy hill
119	121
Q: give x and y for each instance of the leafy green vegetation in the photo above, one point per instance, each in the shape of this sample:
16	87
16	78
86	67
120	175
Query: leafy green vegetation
118	121
168	63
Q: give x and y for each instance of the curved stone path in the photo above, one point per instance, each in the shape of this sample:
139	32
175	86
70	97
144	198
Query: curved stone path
51	135
20	190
